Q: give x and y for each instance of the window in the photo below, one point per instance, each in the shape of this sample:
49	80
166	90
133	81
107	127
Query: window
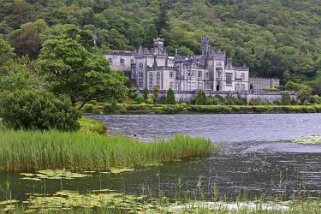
189	73
140	79
243	76
219	72
150	80
193	85
243	87
141	65
171	75
158	78
200	86
207	75
200	74
237	87
122	61
110	60
171	85
177	86
228	78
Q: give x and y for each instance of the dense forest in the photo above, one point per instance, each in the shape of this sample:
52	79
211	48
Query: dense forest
275	38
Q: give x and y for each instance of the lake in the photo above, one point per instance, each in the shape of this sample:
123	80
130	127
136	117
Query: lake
255	159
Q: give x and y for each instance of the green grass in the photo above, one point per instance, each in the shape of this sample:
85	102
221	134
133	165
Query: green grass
33	150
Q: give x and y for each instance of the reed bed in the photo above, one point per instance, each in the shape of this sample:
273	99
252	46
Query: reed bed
28	151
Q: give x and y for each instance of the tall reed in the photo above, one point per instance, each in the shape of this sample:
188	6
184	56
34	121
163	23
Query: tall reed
34	150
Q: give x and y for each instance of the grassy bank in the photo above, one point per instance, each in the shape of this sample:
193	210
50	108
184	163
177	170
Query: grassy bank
201	109
34	150
88	125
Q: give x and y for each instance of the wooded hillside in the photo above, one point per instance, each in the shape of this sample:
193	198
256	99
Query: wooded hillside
275	38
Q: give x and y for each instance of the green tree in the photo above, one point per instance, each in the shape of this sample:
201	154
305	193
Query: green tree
304	94
170	98
27	39
70	69
35	109
292	86
146	92
21	79
156	93
201	98
6	57
286	99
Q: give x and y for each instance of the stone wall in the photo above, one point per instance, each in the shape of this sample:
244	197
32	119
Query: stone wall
260	96
263	83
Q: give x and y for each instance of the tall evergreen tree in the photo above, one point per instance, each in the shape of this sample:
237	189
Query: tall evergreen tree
201	98
170	98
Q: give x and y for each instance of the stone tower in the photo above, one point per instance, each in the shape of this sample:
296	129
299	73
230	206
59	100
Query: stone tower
158	46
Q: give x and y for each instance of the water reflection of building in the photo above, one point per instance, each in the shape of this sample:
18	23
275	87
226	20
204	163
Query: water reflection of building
211	71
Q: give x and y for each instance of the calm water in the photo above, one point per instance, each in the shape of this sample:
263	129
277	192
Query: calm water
254	158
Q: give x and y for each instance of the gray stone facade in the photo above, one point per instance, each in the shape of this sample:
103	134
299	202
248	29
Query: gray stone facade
263	83
212	71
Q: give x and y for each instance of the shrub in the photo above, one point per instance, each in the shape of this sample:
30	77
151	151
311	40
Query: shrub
89	108
315	99
271	89
230	100
92	102
37	110
150	99
139	99
220	99
170	98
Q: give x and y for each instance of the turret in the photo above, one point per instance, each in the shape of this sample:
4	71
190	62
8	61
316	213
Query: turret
158	46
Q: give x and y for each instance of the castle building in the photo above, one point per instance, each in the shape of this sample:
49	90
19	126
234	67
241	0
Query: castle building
212	71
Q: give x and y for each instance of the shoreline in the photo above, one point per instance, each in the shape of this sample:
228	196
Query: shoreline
123	109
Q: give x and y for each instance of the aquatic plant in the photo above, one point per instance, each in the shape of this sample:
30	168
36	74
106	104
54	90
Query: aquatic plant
315	139
107	201
27	151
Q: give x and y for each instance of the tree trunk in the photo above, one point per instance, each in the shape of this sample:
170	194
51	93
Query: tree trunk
73	100
82	105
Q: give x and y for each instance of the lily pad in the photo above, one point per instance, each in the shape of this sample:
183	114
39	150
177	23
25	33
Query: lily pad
103	190
52	175
118	171
30	179
8	202
27	174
